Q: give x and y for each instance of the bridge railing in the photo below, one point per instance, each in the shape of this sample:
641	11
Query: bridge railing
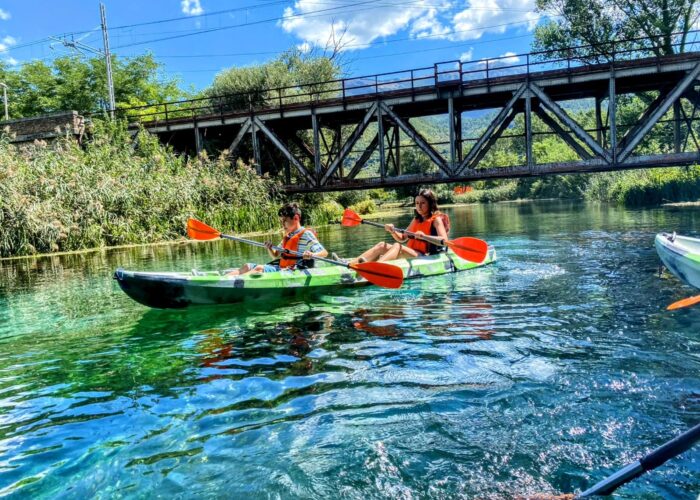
451	73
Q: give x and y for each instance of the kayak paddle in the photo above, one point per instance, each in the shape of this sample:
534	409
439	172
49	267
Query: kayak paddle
467	248
648	462
379	273
690	301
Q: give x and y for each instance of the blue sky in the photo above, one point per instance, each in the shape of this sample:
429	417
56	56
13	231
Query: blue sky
195	39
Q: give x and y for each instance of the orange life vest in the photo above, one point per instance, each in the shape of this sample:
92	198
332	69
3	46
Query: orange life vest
293	245
427	227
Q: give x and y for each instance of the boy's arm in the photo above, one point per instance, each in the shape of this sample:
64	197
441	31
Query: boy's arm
273	253
315	249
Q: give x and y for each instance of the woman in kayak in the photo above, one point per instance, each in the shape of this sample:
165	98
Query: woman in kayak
297	239
428	221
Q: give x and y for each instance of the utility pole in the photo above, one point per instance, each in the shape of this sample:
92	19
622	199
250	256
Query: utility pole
108	60
78	46
4	99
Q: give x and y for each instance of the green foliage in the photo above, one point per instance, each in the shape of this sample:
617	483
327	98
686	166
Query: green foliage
326	212
598	22
413	161
364	207
646	187
382	195
249	86
506	190
351	197
119	191
75	83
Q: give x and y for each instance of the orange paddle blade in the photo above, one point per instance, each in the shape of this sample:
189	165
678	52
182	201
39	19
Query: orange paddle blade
380	273
350	218
471	249
198	230
684	303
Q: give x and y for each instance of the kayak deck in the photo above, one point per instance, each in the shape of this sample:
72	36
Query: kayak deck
178	290
681	255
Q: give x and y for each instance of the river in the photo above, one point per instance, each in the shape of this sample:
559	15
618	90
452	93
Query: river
541	373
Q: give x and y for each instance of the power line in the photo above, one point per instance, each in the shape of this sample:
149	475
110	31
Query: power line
337	3
316	13
251	23
190	32
444	47
185	33
371	44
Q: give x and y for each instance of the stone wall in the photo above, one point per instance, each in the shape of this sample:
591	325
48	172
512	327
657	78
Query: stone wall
44	127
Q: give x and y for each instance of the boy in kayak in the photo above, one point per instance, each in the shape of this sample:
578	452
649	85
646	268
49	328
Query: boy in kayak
297	239
427	220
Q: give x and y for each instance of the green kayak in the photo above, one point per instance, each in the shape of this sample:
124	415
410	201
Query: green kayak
177	290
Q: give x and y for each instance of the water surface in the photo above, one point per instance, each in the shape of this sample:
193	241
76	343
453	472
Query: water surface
542	373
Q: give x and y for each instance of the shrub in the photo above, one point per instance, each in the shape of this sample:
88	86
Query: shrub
327	212
348	198
364	207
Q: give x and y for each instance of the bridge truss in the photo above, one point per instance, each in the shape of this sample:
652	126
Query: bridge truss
371	132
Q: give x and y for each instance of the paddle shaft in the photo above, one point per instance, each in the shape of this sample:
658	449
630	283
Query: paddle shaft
651	461
283	250
429	239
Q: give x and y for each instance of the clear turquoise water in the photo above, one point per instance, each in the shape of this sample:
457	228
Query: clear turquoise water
543	373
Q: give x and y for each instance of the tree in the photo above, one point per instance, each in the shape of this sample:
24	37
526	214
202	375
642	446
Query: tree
299	72
75	83
662	25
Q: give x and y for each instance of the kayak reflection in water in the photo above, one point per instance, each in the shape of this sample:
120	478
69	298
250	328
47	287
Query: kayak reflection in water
428	221
467	316
297	239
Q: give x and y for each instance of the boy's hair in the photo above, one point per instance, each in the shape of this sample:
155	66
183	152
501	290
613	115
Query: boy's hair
289	210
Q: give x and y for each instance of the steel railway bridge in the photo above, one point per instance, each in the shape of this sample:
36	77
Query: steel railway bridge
352	133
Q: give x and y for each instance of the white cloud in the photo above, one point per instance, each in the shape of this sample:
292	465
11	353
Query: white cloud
508	58
364	23
359	25
493	16
11	61
467	56
191	7
7	42
4	15
428	25
504	63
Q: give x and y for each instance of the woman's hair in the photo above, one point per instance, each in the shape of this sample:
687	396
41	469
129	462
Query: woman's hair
432	202
289	210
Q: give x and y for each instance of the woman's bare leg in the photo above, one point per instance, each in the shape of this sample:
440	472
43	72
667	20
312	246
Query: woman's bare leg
374	253
398	251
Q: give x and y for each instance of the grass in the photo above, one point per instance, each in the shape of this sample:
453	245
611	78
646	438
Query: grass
119	190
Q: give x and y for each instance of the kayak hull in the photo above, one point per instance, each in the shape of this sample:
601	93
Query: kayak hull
681	255
172	290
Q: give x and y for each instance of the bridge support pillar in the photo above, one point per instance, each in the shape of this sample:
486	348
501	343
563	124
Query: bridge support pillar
598	122
197	139
528	130
397	150
317	145
677	126
612	111
453	141
256	147
380	134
